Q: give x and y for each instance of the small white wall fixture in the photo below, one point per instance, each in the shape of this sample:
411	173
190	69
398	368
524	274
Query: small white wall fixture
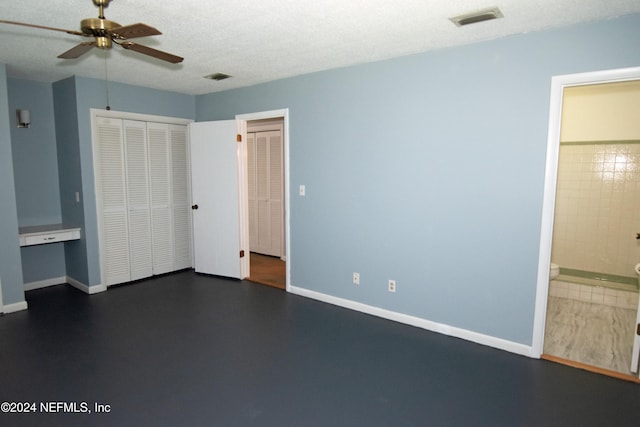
558	84
23	118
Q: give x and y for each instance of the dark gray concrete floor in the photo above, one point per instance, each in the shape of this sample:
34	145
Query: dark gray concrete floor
185	349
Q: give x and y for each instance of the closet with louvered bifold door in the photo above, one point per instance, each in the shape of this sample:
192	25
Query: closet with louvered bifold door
266	188
142	193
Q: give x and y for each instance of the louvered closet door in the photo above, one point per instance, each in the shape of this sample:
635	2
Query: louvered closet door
276	190
112	201
161	195
262	195
181	201
265	192
251	181
139	215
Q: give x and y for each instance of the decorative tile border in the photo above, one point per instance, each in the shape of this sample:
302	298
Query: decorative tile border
594	294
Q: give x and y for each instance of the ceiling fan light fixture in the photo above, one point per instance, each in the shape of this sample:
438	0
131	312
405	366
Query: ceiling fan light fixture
103	42
217	76
478	16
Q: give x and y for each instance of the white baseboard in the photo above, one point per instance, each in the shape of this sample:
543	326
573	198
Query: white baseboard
45	283
464	334
12	308
19	306
65	279
85	288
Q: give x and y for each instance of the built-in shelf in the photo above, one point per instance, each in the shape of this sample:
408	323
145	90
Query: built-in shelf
50	233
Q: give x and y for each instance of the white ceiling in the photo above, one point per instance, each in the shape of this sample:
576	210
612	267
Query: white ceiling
260	41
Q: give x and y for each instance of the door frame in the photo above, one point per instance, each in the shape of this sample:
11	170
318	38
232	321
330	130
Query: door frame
242	120
558	84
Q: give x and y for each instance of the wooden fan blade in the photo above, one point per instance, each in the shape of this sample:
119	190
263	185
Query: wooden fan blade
42	27
133	31
77	50
146	50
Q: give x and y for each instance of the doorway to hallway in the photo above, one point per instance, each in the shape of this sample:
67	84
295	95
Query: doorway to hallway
265	175
266	191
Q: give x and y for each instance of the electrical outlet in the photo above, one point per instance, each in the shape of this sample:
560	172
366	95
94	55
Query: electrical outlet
392	285
356	278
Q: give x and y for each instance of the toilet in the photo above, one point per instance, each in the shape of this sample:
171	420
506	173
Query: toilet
554	271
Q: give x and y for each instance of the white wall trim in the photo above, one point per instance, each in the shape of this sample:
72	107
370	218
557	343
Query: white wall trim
85	288
38	284
558	83
124	115
64	280
12	308
441	328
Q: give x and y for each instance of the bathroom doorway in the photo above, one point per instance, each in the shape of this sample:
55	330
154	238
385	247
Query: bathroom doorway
591	308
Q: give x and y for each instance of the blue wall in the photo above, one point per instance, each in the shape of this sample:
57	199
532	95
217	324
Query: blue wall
70	176
10	264
36	177
429	169
34	149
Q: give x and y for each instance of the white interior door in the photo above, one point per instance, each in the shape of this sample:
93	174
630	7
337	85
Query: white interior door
215	192
636	344
160	191
276	196
265	172
111	195
181	185
137	191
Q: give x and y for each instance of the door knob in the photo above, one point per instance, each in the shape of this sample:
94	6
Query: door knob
194	207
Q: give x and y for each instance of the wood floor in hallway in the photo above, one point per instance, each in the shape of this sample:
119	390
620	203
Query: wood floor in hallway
268	270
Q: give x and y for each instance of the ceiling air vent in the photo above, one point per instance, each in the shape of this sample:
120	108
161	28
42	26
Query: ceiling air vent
217	76
475	17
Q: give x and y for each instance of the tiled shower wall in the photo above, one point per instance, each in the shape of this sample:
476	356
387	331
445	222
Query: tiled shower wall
597	211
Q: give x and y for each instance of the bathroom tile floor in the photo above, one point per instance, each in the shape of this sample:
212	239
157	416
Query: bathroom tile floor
594	334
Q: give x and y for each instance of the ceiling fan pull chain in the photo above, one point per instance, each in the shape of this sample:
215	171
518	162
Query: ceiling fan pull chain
106	82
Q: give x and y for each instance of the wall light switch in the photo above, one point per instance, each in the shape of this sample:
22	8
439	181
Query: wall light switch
303	190
77	197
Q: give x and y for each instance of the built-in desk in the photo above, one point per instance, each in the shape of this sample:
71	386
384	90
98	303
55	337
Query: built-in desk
50	233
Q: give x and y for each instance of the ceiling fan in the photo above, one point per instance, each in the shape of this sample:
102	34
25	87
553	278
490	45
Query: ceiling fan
105	33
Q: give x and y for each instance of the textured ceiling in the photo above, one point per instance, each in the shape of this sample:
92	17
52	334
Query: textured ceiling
259	41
